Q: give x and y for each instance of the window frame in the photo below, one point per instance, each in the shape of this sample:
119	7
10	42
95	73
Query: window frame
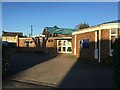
81	43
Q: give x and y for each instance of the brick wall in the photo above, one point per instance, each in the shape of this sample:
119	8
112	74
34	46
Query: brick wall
32	46
90	52
85	52
21	42
51	46
105	34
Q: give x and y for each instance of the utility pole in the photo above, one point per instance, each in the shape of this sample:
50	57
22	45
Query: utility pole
31	30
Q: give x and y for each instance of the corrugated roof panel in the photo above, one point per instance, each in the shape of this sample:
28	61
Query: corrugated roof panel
60	30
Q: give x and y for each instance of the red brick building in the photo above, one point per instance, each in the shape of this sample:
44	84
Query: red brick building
95	42
58	39
11	37
31	43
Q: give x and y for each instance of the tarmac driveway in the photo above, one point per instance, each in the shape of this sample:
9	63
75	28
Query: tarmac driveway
66	71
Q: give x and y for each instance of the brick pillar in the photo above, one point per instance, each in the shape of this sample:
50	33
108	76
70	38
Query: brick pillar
17	41
105	34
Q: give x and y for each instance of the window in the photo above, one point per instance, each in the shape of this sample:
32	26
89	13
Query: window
113	31
64	48
69	49
113	36
64	43
69	42
84	43
26	41
59	49
113	39
31	42
7	38
50	40
59	43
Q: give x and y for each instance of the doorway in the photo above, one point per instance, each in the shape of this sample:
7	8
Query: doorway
64	46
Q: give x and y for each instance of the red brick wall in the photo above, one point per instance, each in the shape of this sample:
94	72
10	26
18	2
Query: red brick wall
51	46
87	53
21	42
105	34
32	46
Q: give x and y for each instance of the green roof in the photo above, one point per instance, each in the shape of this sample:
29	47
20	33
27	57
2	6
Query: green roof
56	30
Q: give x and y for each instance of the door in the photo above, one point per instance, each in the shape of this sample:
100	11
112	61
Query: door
64	46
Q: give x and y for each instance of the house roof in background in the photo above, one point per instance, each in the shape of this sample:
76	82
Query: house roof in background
56	30
12	33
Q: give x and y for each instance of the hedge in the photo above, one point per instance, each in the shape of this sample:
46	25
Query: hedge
5	57
116	61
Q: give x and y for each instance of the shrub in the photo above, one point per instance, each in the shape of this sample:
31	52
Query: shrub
116	61
5	57
107	61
